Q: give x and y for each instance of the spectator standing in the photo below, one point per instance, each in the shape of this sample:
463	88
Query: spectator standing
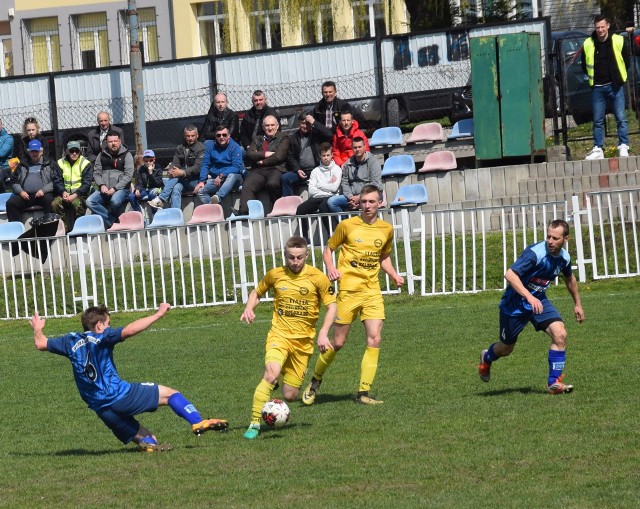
220	114
222	166
6	151
97	137
348	130
31	182
268	154
605	62
325	116
302	157
72	179
253	120
183	171
112	173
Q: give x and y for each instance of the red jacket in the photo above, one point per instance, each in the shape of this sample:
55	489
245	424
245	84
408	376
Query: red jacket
342	143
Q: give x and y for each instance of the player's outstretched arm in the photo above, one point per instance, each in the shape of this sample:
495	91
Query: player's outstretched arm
39	338
572	287
138	326
323	333
387	265
248	315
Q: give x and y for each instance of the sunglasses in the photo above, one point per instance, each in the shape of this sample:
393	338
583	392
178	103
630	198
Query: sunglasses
74	151
220	135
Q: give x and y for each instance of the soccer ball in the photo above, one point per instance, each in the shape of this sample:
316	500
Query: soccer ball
275	413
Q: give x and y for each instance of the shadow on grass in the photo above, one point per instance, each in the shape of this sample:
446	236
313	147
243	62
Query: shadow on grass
322	399
521	390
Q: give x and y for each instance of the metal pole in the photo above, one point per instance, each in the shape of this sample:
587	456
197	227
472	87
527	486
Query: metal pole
137	86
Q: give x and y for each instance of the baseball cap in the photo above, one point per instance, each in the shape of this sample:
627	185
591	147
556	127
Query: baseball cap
35	145
148	153
74	144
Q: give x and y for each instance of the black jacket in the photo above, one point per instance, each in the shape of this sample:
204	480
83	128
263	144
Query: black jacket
19	175
95	147
249	121
293	155
21	149
319	112
146	180
228	117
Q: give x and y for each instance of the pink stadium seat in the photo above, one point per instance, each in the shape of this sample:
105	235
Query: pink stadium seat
285	206
431	131
207	213
440	160
132	220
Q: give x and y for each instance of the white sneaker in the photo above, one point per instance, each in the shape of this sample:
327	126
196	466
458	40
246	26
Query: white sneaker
215	199
623	150
596	153
156	203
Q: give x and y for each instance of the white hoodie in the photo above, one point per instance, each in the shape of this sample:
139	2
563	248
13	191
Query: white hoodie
325	180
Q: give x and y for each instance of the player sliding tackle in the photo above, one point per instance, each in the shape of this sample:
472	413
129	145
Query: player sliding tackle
114	400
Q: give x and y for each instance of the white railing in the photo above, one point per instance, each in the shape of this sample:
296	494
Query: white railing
438	252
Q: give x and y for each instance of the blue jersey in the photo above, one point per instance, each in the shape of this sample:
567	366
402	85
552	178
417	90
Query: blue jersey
91	357
536	268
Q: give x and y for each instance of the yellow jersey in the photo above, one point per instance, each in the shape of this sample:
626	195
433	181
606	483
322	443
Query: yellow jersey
297	298
362	246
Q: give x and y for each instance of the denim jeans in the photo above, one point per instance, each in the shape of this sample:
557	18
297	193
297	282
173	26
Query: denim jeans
232	182
108	207
599	97
173	189
338	203
149	194
288	181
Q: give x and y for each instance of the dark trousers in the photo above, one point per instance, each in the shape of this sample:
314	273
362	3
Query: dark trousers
16	205
257	180
311	206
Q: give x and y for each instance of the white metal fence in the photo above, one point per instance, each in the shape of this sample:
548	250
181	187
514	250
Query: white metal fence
440	252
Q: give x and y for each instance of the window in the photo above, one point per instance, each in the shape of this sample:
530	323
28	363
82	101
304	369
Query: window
6	67
90	40
211	25
317	24
266	29
41	45
368	18
147	35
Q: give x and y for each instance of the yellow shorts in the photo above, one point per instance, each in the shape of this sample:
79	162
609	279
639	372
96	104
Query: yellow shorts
292	355
369	305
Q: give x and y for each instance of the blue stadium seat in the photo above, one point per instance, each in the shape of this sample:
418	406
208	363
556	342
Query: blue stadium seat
413	194
256	211
164	218
386	136
4	198
399	165
11	230
87	225
462	129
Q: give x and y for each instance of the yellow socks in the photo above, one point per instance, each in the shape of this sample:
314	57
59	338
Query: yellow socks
368	368
260	397
324	361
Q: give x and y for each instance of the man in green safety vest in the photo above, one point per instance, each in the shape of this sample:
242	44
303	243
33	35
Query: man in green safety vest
72	178
605	62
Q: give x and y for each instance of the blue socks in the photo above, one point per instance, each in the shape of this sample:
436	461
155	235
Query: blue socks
490	356
556	364
183	408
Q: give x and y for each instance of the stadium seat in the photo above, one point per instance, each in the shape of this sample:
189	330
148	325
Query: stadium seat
439	160
87	225
285	206
386	136
4	198
164	218
430	131
413	194
132	220
462	129
399	165
11	230
207	213
256	211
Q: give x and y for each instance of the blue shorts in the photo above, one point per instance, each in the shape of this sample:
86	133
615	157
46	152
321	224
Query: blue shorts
143	397
512	326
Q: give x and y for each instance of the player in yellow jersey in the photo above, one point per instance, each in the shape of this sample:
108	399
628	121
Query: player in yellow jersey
299	289
365	243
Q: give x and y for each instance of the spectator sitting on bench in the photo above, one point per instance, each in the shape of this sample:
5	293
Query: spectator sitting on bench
149	183
347	131
183	171
31	182
302	157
